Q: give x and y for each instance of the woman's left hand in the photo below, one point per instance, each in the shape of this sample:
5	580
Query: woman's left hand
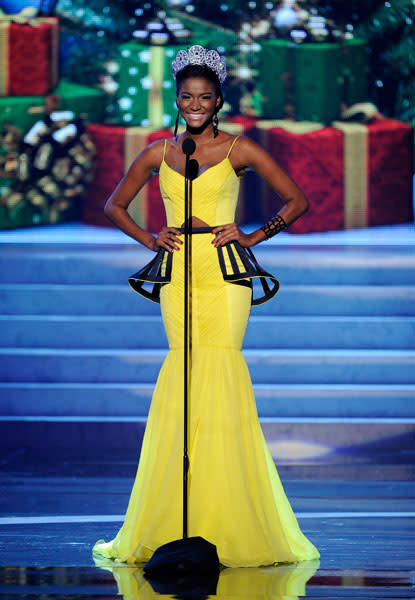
231	232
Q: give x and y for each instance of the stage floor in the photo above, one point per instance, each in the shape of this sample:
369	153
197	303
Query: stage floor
57	505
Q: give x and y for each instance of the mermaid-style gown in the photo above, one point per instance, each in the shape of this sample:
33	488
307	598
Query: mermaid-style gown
236	499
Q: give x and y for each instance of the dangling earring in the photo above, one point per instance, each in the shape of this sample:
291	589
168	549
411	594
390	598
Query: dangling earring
215	123
176	125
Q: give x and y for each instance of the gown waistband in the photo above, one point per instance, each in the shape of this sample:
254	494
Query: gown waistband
207	229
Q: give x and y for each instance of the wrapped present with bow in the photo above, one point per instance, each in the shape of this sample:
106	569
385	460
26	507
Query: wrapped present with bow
116	148
354	175
311	81
29	53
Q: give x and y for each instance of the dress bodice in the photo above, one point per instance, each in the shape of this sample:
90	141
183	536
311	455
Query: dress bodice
214	196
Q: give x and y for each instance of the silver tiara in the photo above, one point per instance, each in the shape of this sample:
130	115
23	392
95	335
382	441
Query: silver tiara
197	55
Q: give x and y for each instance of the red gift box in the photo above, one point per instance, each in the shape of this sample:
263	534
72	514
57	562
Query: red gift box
248	123
390	172
29	54
353	175
248	209
116	148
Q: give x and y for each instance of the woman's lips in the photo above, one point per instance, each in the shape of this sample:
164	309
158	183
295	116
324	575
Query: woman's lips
197	117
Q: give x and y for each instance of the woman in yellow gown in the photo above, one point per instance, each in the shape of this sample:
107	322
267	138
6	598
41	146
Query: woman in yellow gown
236	500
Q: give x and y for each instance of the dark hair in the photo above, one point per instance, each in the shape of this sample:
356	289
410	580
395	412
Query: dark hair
204	72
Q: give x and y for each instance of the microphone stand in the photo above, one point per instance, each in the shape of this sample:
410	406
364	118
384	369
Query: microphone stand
190	556
187	332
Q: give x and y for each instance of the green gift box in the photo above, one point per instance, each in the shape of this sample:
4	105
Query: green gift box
23	111
85	101
309	82
146	92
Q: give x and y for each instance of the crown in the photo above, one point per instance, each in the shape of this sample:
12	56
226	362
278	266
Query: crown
197	55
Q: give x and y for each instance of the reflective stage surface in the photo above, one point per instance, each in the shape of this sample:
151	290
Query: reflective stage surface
57	506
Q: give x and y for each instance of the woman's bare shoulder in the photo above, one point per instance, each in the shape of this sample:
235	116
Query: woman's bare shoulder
152	155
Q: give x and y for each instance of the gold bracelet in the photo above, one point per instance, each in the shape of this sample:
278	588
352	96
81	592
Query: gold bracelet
274	226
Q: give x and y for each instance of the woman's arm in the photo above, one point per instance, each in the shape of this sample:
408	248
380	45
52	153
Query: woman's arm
248	153
140	171
116	206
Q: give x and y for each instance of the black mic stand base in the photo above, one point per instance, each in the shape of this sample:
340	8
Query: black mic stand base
191	554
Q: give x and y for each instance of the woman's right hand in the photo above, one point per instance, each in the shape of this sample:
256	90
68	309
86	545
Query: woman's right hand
168	238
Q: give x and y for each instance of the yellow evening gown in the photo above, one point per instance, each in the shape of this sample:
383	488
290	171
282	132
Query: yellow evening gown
236	499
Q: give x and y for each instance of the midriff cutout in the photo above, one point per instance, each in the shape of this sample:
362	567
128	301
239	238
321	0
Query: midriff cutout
196	222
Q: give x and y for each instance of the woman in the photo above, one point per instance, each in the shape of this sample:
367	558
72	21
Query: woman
236	500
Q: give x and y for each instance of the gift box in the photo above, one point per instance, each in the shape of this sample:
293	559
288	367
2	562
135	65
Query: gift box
247	123
309	82
248	208
146	93
353	175
29	53
377	173
312	155
86	102
116	148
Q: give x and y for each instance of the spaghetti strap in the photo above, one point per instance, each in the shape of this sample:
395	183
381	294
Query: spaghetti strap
164	149
232	145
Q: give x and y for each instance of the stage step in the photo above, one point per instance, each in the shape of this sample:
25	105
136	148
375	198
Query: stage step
266	366
332	357
318	440
292	300
273	400
131	332
59	264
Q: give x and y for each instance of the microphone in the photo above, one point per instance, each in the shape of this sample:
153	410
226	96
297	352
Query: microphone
188	146
193	169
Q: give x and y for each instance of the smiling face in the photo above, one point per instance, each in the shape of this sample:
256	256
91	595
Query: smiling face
197	101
